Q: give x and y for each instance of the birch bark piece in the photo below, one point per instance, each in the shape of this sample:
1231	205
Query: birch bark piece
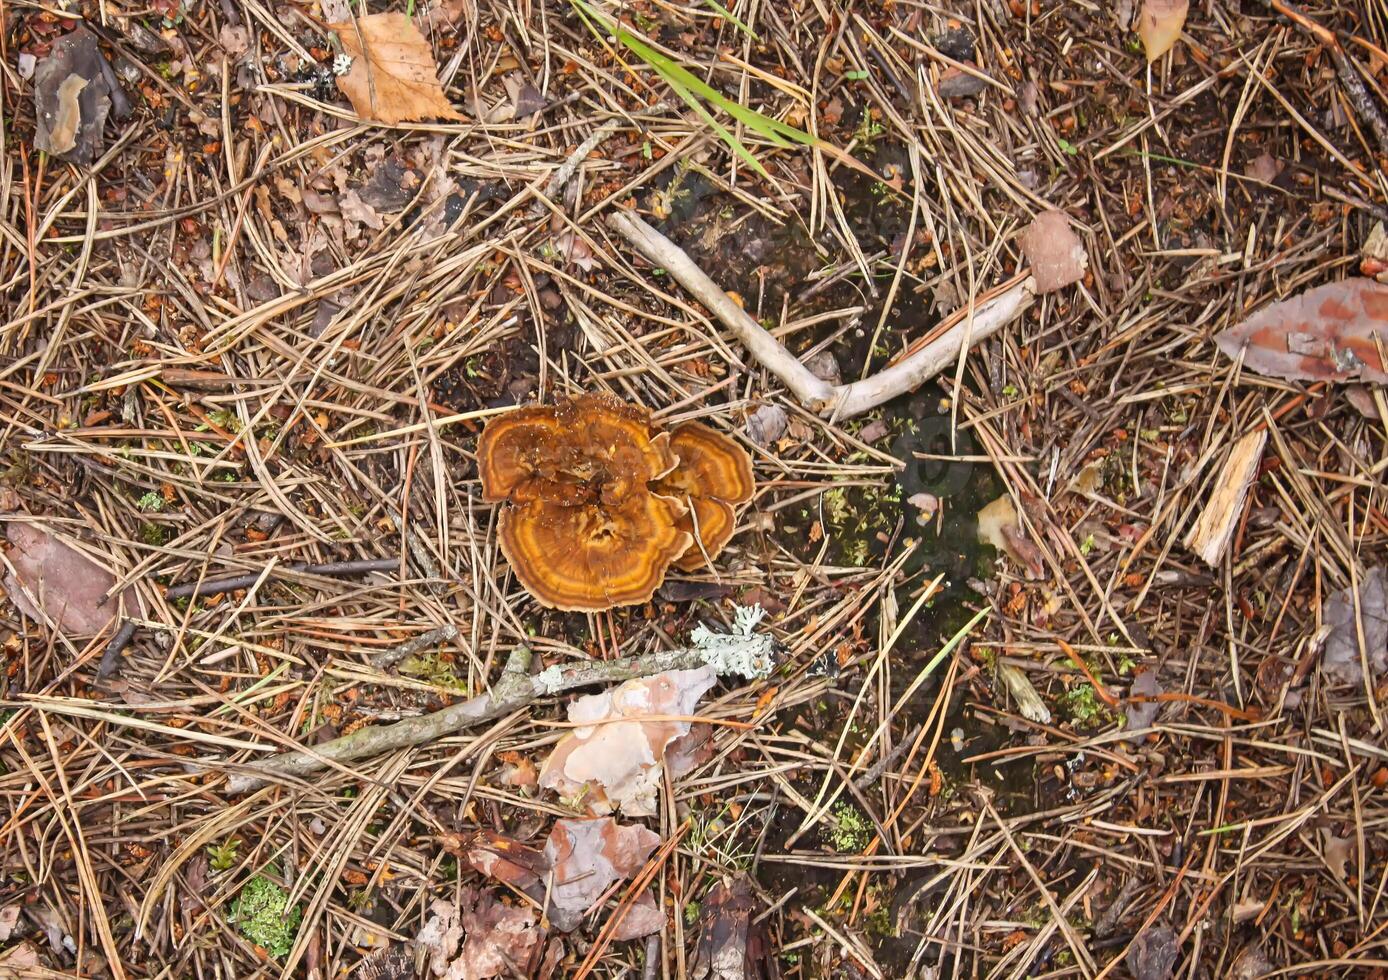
1209	536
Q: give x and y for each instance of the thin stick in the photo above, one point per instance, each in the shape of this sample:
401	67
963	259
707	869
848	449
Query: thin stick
234	582
389	658
513	691
1355	89
830	401
111	657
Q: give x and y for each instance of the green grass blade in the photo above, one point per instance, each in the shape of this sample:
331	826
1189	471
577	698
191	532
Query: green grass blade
772	130
727	14
692	89
733	142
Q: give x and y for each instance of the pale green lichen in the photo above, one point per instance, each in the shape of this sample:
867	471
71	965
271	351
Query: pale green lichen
851	832
431	669
263	915
744	651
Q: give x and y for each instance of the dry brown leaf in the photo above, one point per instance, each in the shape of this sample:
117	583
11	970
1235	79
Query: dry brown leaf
615	761
235	41
1373	256
1054	252
732	945
9	918
1153	953
689	752
1141	714
68	586
575	251
1329	333
587	856
641	919
440	936
1159	25
767	424
25	956
999	526
506	860
519	771
1341	658
393	77
1251	962
356	210
1338	853
502	940
447	13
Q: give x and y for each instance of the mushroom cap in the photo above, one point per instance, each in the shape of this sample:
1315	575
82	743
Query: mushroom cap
593	556
714	473
712	522
587	448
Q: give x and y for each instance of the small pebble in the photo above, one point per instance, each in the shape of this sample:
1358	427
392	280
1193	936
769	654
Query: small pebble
926	504
767	424
956	84
1054	252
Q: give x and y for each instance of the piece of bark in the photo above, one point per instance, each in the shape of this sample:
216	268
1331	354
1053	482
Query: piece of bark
1054	252
72	97
1029	702
1209	536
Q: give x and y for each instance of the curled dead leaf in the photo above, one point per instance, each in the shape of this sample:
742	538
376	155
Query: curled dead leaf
506	860
1154	953
393	77
999	526
1341	658
586	857
1141	714
732	945
1159	25
614	762
501	940
439	937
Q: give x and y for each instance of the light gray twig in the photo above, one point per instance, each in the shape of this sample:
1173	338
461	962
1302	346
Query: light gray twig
391	657
516	689
830	401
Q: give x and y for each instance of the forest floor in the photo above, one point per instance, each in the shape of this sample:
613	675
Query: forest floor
245	330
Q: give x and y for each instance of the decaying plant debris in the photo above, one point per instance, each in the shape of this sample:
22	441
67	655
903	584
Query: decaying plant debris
997	390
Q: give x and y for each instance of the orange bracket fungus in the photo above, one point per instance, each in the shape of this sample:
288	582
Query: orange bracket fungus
713	476
599	502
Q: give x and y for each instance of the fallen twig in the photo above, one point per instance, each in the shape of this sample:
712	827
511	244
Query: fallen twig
1355	89
391	657
515	689
233	582
831	401
111	657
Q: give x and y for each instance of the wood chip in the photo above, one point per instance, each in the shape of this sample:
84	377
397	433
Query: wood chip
1209	536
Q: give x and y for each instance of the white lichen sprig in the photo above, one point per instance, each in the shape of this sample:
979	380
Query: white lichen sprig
744	651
